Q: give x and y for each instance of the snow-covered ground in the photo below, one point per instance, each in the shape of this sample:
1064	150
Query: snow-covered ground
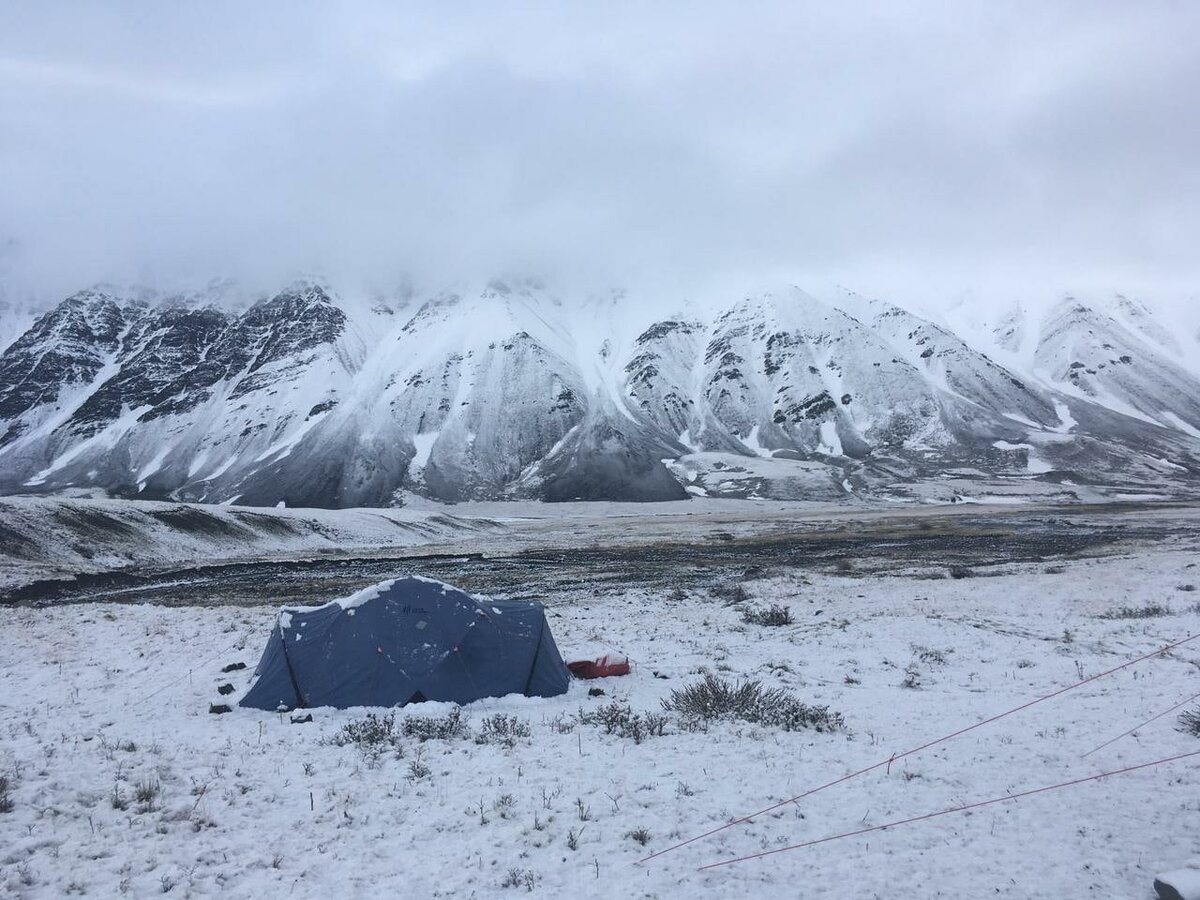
98	701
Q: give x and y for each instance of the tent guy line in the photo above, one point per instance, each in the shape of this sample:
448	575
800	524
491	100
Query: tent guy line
956	809
195	666
933	743
1154	718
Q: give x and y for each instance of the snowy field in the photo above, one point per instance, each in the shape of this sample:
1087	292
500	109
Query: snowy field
121	781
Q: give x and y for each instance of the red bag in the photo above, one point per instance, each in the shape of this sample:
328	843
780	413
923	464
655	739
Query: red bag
599	668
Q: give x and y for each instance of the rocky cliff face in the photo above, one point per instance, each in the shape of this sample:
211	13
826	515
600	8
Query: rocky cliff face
511	391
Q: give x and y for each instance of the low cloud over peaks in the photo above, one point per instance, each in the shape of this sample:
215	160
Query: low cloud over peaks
913	149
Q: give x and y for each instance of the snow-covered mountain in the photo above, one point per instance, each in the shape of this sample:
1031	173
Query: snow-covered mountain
510	390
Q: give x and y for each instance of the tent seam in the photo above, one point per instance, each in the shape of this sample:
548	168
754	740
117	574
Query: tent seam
287	661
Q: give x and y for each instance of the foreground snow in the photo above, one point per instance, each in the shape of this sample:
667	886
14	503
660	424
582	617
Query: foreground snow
97	700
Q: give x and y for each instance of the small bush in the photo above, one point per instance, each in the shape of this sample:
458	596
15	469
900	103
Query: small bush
372	736
145	793
730	593
929	656
503	730
516	878
442	728
1149	611
610	716
6	800
641	835
617	718
371	731
771	616
714	699
1189	722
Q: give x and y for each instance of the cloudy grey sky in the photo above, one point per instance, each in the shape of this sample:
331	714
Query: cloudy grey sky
917	148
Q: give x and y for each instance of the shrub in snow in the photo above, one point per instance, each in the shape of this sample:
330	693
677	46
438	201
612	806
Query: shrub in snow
715	698
373	731
1189	722
912	677
145	794
772	615
6	800
417	769
929	656
641	835
442	728
1149	611
503	730
516	878
617	718
730	593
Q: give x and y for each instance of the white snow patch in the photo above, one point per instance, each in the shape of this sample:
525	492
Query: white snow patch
831	444
1065	419
423	443
752	443
1034	464
198	462
221	469
1180	424
154	465
105	439
282	448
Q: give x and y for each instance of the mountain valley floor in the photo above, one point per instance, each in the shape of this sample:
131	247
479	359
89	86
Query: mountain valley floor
909	624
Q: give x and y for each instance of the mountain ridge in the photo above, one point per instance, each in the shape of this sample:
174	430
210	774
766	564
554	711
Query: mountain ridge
510	390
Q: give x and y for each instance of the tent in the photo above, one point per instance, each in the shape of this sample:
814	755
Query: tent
404	641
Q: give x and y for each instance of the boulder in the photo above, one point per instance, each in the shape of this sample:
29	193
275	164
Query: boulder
1182	884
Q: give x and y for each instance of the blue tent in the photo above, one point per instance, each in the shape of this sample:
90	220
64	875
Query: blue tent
404	641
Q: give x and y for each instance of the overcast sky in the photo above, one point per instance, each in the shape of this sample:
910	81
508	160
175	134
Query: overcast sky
903	149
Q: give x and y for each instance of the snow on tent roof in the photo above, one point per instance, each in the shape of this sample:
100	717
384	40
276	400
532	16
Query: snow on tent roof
403	640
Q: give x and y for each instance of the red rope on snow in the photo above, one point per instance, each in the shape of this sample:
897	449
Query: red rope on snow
946	812
1165	712
933	743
